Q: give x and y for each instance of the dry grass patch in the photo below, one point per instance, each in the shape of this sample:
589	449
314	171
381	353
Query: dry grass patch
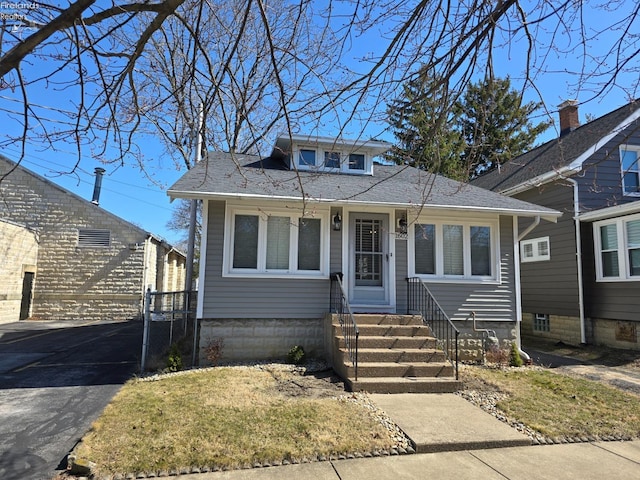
223	417
558	405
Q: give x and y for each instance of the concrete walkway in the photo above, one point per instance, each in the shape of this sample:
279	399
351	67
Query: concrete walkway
581	461
447	422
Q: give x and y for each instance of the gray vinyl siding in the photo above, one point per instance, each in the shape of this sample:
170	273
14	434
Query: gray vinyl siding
491	302
600	183
402	271
335	247
226	297
606	300
551	287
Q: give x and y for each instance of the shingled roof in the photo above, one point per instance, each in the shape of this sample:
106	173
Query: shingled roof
568	151
228	176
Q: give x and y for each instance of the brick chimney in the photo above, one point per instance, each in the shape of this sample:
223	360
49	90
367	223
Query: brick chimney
568	111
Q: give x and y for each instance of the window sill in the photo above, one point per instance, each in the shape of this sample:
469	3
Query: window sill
292	276
463	280
617	280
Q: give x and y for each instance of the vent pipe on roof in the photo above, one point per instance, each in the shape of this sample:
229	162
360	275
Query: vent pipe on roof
98	185
568	111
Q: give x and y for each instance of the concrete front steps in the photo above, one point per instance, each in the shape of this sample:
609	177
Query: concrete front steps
396	354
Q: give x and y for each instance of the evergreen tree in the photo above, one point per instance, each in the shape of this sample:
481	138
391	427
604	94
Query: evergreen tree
488	126
495	124
425	131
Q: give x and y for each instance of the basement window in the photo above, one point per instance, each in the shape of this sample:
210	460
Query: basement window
541	323
93	238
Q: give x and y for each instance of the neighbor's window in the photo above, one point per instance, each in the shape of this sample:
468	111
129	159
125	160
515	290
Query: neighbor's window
541	322
630	166
535	250
94	238
450	250
275	243
617	244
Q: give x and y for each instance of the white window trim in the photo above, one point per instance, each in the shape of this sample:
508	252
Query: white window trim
344	160
439	277
623	258
635	148
261	271
537	257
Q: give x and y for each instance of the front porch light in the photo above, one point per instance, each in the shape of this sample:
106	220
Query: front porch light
337	222
402	225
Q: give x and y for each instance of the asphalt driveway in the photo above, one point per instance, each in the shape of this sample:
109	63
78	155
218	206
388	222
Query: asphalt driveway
55	379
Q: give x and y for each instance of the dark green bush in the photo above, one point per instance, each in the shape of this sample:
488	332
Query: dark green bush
296	355
174	361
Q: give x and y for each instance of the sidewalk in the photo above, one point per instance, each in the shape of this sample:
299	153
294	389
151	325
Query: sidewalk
582	461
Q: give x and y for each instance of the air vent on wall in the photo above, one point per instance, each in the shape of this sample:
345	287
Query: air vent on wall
94	238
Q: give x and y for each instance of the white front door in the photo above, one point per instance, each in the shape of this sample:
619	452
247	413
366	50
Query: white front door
369	259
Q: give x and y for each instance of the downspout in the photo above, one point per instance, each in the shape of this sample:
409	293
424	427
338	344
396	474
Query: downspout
517	237
576	212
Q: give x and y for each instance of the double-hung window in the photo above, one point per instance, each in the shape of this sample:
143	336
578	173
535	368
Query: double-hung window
275	243
630	166
617	244
453	250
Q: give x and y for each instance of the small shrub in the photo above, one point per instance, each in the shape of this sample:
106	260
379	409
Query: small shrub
296	355
174	361
497	355
515	360
213	350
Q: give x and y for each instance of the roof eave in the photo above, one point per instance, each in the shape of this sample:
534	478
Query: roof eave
550	215
610	212
576	165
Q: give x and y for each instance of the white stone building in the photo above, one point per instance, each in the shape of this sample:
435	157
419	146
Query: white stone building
65	258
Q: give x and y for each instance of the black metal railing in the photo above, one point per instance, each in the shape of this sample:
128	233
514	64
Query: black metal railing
421	301
348	326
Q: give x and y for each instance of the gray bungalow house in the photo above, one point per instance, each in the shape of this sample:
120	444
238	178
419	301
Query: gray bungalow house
276	229
581	276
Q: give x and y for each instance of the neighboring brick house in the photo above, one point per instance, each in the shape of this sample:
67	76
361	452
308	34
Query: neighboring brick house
65	258
581	276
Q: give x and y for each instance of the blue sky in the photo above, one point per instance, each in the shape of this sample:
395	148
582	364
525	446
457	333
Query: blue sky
130	194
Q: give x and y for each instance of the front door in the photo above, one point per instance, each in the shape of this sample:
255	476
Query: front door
368	259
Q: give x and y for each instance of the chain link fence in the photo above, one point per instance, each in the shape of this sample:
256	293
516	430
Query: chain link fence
170	338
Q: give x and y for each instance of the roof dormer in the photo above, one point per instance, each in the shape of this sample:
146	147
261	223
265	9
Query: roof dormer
328	155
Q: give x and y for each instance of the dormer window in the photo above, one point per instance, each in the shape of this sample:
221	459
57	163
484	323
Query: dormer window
629	156
356	161
328	155
307	158
332	159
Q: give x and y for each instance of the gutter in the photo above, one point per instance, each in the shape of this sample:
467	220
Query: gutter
549	215
547	177
576	165
576	220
